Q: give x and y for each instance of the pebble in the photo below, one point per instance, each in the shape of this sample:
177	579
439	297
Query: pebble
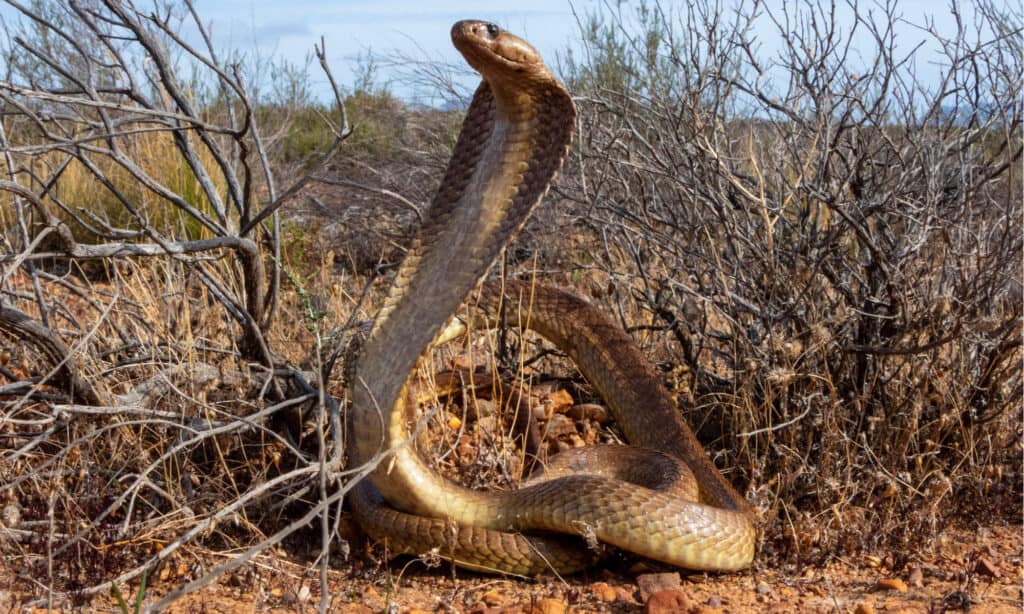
559	426
986	568
763	588
603	592
548	606
487	424
589	411
864	608
562	446
486	407
668	602
625	595
916	577
560	401
715	601
891	584
10	517
650	583
493	598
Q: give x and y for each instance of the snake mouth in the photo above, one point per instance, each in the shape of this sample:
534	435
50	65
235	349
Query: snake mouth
486	47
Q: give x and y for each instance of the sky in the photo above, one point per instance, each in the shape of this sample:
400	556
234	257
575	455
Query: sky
351	28
288	29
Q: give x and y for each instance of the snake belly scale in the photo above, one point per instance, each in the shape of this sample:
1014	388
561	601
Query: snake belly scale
513	141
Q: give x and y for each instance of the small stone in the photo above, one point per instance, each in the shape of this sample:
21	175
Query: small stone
817	589
559	401
916	577
864	608
486	407
603	592
668	602
10	517
624	594
486	424
417	611
986	568
650	583
763	588
715	601
493	598
589	411
559	426
561	446
548	606
891	584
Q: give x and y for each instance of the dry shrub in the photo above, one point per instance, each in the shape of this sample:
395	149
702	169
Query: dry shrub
148	407
94	201
835	259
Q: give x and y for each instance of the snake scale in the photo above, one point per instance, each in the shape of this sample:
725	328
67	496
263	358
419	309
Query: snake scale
513	141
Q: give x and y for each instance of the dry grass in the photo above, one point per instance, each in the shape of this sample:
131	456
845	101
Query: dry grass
812	459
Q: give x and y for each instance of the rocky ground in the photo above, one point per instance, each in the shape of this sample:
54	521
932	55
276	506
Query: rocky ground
974	567
975	571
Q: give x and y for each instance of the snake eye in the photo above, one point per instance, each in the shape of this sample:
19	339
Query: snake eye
493	30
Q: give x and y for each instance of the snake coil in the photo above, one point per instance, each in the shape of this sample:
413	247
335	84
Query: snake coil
514	139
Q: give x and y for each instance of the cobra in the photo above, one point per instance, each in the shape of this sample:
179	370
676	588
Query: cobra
513	141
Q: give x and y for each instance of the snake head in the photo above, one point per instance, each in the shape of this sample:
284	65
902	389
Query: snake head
497	54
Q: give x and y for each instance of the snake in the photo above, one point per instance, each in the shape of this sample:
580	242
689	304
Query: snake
514	138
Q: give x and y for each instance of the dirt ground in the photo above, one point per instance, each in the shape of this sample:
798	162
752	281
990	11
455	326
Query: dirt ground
976	569
967	570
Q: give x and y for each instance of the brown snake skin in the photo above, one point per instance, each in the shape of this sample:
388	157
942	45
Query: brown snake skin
513	140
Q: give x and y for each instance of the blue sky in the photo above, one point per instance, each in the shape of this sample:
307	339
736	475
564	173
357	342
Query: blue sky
289	28
350	28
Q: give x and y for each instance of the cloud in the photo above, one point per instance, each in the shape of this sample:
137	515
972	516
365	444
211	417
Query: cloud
271	33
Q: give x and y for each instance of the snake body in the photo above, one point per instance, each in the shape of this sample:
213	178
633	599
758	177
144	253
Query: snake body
514	138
